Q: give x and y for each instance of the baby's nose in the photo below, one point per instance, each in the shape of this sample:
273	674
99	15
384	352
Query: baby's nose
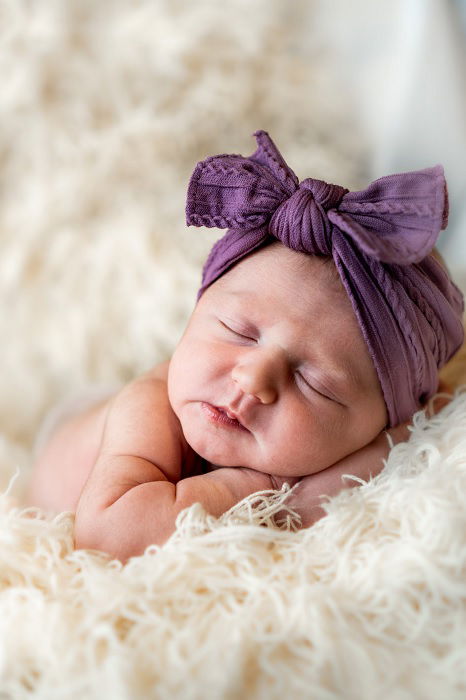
260	373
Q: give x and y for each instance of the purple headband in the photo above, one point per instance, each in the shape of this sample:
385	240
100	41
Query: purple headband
409	310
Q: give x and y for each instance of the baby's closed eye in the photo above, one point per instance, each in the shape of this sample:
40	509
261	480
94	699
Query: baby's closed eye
311	386
239	330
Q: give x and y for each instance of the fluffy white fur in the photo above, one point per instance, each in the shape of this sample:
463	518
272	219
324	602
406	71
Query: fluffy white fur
106	107
369	602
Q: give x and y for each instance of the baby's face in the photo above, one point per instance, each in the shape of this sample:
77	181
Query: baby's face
272	372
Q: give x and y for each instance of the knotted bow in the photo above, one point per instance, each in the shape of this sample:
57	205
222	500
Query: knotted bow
409	310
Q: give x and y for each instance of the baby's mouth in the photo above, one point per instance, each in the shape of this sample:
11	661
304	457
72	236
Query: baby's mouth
221	414
228	413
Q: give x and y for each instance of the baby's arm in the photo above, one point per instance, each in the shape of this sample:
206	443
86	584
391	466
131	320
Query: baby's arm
135	491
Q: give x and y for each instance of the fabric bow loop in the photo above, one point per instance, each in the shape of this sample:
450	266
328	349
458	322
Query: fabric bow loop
398	218
230	191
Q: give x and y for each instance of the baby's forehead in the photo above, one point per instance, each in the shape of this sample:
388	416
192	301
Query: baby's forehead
289	273
300	292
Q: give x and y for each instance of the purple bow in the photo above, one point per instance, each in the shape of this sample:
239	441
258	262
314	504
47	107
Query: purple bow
396	219
409	310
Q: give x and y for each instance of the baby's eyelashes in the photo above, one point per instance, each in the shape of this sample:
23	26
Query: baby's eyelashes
238	330
306	386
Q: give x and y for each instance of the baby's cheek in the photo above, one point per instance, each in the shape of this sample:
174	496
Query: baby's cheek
176	382
305	441
211	367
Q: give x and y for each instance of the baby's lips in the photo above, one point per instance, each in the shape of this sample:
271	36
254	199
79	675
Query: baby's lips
233	415
230	413
223	415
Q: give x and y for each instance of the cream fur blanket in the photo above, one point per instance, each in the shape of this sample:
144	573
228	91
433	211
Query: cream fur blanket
105	109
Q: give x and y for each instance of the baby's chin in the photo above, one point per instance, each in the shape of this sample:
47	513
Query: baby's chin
217	457
218	454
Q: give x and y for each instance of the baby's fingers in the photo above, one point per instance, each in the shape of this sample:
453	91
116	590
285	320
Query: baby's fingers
436	403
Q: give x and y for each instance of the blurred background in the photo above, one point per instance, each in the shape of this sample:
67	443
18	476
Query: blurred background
105	108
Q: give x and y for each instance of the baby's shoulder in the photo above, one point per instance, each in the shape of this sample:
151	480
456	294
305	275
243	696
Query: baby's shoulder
141	422
144	401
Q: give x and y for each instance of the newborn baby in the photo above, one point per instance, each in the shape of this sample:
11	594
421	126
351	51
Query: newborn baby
292	365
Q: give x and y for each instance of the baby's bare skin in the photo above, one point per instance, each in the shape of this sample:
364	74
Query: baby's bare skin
275	360
67	461
64	466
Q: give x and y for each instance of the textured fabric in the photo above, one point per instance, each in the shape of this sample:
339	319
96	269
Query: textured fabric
409	310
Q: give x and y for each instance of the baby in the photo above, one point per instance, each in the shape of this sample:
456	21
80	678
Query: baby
322	320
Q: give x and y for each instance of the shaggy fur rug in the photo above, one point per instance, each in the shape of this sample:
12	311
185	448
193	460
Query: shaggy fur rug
106	107
369	602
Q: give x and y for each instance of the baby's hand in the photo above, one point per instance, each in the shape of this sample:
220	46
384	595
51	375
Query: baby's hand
365	463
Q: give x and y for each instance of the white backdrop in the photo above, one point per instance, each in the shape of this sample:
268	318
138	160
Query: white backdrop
403	65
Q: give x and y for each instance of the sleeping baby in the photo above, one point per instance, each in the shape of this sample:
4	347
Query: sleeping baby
322	321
